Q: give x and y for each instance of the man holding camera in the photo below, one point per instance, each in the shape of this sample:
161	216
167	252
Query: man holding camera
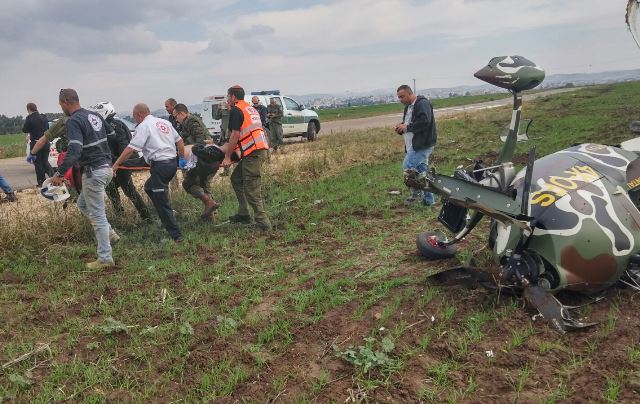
418	128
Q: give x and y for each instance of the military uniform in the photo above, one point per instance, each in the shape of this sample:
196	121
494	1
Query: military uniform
223	115
274	112
118	141
193	131
58	130
246	178
196	180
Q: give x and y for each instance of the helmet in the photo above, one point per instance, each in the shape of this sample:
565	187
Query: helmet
54	193
104	108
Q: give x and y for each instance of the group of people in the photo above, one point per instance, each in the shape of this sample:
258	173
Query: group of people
95	148
98	146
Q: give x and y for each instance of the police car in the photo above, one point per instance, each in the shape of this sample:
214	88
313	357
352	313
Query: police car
296	119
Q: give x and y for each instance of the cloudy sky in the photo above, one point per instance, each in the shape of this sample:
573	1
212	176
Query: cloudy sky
148	50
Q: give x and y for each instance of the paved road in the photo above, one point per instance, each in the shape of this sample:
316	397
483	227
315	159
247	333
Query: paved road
22	175
393	119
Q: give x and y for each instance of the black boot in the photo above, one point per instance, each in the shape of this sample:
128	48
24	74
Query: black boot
11	197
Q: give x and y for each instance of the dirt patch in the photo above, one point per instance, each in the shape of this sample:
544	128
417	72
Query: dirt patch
264	308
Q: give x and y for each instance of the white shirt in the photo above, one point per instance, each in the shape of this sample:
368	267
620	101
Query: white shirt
156	139
408	136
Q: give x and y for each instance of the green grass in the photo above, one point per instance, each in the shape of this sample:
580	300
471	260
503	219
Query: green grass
12	145
364	111
242	316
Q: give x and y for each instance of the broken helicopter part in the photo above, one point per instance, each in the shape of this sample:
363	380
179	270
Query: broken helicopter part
566	221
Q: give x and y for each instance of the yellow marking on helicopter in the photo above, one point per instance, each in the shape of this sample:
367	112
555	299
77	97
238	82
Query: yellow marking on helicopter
558	186
633	183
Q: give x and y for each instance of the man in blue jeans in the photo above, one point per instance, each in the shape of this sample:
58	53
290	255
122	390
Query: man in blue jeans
10	195
418	128
87	135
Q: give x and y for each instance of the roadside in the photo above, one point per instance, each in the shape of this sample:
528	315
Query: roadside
392	119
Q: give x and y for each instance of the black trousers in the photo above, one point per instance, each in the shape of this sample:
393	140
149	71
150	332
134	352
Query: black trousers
157	187
123	180
42	165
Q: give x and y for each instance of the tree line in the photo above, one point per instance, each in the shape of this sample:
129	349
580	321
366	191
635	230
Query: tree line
14	124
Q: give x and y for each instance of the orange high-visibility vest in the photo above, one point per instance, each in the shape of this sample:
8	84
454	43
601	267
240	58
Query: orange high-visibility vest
252	135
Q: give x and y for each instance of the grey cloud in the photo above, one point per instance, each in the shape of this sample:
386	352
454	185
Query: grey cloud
253	45
254	31
220	42
218	45
67	27
87	42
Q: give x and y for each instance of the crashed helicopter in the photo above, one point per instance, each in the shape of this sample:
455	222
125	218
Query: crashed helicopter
566	221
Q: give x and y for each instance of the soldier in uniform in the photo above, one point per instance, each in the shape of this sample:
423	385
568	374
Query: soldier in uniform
247	141
196	179
222	113
274	113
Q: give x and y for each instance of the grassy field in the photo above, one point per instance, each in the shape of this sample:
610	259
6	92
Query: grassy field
12	145
330	306
335	114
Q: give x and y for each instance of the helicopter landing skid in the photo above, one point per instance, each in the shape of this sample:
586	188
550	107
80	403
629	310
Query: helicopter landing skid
552	310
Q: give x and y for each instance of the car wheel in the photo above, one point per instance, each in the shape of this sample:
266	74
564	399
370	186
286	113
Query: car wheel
312	134
430	247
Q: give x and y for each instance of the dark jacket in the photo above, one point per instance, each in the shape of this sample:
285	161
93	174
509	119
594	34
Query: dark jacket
423	124
262	110
35	124
87	134
118	139
174	123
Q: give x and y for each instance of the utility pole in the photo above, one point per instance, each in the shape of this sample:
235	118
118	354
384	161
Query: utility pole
414	86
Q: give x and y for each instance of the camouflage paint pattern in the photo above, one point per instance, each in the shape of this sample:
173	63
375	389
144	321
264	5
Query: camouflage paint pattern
514	73
586	223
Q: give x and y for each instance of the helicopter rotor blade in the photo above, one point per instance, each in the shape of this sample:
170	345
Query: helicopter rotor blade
552	310
631	18
466	276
